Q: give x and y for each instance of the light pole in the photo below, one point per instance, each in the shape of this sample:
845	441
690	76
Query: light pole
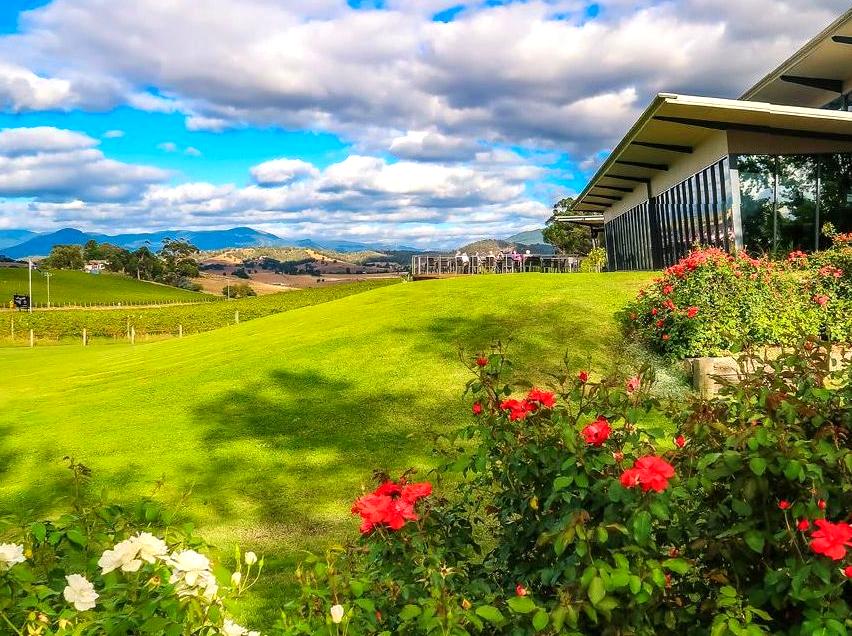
47	275
30	272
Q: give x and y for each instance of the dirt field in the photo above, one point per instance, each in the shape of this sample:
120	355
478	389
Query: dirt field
271	283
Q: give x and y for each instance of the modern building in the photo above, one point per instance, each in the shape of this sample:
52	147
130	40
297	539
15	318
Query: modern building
763	173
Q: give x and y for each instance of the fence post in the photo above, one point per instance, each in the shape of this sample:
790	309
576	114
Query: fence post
133	335
237	317
13	327
85	336
180	331
32	339
128	327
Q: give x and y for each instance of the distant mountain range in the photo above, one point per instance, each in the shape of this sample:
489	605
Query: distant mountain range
532	240
24	244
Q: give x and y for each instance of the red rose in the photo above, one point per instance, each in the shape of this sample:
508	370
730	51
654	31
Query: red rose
784	504
517	409
668	304
691	312
477	408
391	505
650	472
666	337
520	590
680	441
821	504
668	289
583	376
481	361
803	525
821	299
633	383
847	571
831	539
654	311
543	398
597	432
660	323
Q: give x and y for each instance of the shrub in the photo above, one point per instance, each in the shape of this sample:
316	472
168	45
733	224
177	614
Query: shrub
590	520
241	290
712	302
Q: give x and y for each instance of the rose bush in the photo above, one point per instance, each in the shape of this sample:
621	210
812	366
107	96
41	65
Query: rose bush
712	302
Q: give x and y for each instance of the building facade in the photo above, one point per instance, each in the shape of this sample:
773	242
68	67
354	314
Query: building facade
765	172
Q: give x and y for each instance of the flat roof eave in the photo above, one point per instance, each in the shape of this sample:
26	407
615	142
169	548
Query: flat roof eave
673	125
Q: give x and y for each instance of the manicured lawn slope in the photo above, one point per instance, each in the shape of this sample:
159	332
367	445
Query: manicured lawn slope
67	287
276	423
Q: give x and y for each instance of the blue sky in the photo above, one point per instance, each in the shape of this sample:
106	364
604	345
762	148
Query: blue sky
427	122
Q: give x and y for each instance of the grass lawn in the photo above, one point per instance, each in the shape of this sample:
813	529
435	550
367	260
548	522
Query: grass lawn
276	423
75	288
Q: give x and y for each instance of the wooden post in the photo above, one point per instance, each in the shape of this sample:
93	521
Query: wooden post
180	331
128	327
13	328
32	338
85	337
237	317
133	335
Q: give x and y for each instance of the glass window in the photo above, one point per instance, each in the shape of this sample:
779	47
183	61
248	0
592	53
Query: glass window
757	201
796	203
835	193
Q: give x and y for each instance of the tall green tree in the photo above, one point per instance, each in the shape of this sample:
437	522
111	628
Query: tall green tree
65	257
179	262
567	238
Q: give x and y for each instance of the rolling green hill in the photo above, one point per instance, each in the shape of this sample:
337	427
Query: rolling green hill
276	423
76	288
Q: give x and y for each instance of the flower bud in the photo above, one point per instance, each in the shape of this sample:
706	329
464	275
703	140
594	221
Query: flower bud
251	558
337	612
236	579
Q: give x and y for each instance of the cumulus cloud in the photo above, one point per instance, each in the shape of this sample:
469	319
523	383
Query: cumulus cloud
432	146
113	134
168	146
537	72
281	171
52	164
360	197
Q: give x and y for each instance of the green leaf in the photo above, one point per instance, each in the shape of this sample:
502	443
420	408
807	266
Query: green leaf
540	620
521	604
596	590
76	537
755	540
642	526
409	611
562	482
678	566
757	465
39	531
490	613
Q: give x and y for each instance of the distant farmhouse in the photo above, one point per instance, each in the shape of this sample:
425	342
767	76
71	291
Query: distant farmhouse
763	172
95	267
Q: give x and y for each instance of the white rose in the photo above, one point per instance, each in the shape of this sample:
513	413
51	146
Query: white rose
251	558
123	556
188	565
236	578
10	554
80	592
230	628
337	612
150	548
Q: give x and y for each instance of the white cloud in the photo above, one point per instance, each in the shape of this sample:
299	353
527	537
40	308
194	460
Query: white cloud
54	164
23	90
168	146
536	72
281	171
432	146
113	134
191	151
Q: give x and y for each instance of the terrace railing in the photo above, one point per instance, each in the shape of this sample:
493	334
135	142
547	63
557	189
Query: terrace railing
429	265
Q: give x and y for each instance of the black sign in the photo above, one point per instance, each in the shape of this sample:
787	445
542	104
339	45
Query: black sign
21	302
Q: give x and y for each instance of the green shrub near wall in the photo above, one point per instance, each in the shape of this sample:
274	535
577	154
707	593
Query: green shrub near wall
712	302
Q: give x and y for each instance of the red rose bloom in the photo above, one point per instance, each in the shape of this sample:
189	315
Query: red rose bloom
803	525
477	408
784	504
821	504
520	590
668	289
633	383
517	409
597	432
542	398
390	505
691	312
831	539
821	299
650	472
666	337
583	376
654	311
847	571
668	304
680	441
481	361
660	323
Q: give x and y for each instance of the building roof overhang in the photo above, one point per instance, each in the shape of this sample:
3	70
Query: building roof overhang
814	75
593	221
674	125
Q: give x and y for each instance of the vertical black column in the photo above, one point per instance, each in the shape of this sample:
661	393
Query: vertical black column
656	233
